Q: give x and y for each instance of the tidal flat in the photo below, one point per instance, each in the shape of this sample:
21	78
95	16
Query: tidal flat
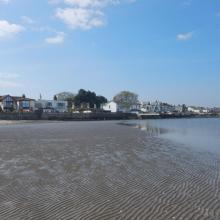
103	171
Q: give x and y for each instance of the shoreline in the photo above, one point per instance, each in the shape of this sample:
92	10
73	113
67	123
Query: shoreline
98	116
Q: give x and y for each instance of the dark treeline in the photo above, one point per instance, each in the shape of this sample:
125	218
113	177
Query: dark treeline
83	99
88	97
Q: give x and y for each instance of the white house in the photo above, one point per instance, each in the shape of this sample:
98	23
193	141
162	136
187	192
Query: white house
194	110
114	107
155	107
52	106
205	111
111	107
146	107
151	107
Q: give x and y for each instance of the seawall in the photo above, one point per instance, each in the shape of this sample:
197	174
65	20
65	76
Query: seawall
67	116
94	116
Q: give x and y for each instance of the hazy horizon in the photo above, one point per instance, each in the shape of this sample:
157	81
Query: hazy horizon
161	50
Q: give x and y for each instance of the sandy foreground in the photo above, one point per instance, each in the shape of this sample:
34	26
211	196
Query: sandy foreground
103	171
7	122
11	122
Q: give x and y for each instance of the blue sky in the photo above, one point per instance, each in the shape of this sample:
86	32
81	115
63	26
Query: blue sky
162	50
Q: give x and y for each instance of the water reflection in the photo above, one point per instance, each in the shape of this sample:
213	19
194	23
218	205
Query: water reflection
203	134
152	131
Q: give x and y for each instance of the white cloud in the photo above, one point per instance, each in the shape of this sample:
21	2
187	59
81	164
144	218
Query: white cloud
8	29
88	3
55	1
9	76
5	1
9	80
91	3
218	14
84	14
184	36
58	39
27	20
82	18
187	3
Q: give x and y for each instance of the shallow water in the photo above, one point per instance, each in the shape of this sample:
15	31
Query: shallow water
201	134
103	171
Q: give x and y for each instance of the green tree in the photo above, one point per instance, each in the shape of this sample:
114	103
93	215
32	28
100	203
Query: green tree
126	99
101	100
55	98
85	98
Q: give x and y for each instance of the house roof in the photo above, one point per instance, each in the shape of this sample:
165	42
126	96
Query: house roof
4	96
16	98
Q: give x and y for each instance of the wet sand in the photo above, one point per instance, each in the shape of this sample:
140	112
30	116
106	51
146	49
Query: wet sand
12	122
100	171
8	122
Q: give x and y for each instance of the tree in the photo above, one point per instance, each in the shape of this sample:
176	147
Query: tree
101	100
85	98
55	98
126	99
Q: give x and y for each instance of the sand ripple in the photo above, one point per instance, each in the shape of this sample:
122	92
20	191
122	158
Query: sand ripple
103	171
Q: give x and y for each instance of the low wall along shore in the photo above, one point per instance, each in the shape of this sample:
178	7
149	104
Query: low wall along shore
19	116
67	116
94	116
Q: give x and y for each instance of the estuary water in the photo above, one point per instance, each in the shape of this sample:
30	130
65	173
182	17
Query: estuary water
202	134
166	170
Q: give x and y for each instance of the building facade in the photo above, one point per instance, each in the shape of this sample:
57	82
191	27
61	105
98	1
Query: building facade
111	107
114	107
195	110
52	106
157	107
16	103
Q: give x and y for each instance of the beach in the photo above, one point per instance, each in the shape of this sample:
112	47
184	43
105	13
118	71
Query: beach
103	171
8	122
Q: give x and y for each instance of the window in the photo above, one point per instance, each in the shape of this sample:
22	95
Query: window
49	105
60	105
25	104
8	102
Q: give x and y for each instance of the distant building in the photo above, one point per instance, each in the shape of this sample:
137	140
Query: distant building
180	108
52	106
114	107
111	107
136	108
146	107
205	110
167	108
215	110
156	107
195	110
16	103
150	107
